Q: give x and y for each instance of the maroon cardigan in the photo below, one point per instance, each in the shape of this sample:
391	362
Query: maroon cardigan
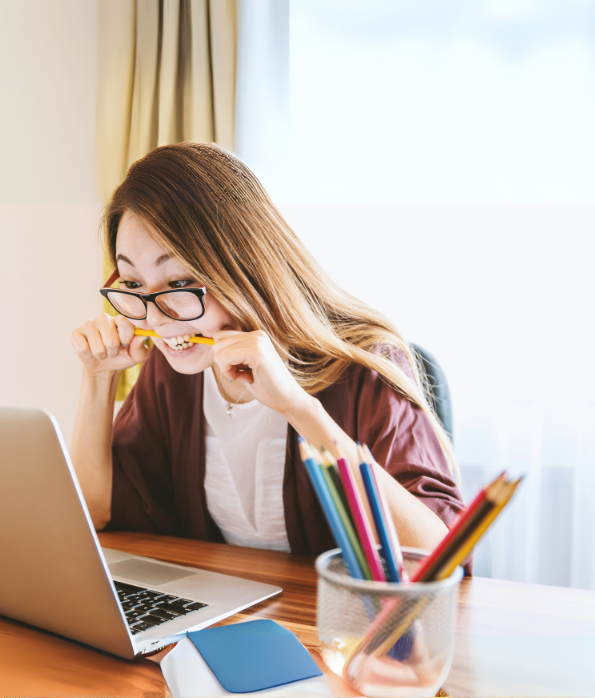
159	455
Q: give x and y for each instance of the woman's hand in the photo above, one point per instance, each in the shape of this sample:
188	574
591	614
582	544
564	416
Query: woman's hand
269	379
271	383
108	345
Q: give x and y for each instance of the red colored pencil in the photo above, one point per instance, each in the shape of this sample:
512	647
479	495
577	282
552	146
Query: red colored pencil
466	519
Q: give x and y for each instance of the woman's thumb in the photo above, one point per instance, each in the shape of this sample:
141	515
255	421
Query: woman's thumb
138	349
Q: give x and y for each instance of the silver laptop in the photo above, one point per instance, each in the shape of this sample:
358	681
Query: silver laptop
55	575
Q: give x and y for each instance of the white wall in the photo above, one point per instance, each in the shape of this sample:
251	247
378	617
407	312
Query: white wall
499	293
49	208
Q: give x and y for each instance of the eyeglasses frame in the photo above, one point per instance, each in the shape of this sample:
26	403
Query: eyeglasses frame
147	298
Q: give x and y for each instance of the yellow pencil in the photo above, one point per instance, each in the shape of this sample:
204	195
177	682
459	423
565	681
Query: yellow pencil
193	340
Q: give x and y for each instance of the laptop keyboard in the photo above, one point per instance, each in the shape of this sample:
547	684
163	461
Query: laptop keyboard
146	609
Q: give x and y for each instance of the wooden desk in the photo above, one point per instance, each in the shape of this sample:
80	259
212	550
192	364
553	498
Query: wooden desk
36	663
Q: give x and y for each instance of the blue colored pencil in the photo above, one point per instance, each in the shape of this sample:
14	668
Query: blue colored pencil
391	529
391	560
329	509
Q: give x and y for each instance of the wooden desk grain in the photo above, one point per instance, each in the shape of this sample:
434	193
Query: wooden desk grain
35	663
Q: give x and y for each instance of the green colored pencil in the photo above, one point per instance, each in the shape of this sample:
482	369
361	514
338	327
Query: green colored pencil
346	521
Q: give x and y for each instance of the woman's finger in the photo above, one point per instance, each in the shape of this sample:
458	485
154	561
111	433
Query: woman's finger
228	370
252	344
227	331
80	344
125	330
109	335
96	343
244	374
138	350
237	339
232	359
239	373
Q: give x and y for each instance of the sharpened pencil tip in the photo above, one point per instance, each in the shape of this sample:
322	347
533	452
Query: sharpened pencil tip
304	449
369	453
329	459
316	454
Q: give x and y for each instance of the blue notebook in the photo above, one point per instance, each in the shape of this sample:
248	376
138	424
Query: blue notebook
254	655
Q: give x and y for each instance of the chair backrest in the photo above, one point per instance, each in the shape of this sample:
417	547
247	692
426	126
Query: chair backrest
439	392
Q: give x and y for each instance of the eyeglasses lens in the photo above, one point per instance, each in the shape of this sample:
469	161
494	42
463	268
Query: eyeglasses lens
129	306
180	305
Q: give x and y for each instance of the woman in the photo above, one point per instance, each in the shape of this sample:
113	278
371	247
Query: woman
205	446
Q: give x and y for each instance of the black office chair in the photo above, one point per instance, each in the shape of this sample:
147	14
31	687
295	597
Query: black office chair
439	392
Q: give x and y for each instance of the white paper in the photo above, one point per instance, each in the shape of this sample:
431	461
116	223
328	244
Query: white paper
188	676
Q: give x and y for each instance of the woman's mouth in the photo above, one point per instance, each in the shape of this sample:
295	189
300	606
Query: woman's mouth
179	343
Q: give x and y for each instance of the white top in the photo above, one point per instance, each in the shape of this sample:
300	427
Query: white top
245	464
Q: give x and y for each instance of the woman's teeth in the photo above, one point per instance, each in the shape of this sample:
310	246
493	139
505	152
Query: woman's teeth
178	343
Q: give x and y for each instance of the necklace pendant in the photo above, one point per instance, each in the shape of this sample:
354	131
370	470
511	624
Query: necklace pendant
228	410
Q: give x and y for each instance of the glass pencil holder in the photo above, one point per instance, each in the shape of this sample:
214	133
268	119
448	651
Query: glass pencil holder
386	640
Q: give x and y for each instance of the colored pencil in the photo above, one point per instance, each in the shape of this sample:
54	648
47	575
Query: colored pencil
344	514
391	529
390	560
192	340
378	646
483	503
483	511
328	507
331	464
504	497
362	523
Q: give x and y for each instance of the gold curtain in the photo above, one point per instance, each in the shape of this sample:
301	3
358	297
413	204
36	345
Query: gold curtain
166	74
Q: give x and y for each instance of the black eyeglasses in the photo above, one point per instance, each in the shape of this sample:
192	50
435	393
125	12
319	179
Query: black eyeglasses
177	304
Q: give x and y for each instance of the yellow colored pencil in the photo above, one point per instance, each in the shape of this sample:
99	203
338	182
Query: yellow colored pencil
193	340
505	495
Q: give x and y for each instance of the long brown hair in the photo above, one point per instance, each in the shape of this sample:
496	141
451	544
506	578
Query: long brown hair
210	212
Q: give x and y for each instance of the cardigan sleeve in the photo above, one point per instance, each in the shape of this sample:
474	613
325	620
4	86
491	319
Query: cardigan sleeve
402	440
142	489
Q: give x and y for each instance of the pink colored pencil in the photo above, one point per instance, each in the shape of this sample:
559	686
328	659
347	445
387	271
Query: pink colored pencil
360	519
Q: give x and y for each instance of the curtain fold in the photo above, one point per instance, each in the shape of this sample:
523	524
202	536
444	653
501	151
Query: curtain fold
198	86
222	13
115	83
144	115
166	74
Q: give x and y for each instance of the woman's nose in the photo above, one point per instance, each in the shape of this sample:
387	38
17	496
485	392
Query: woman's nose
155	317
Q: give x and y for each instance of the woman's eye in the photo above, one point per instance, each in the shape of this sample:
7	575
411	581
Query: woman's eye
181	283
130	285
